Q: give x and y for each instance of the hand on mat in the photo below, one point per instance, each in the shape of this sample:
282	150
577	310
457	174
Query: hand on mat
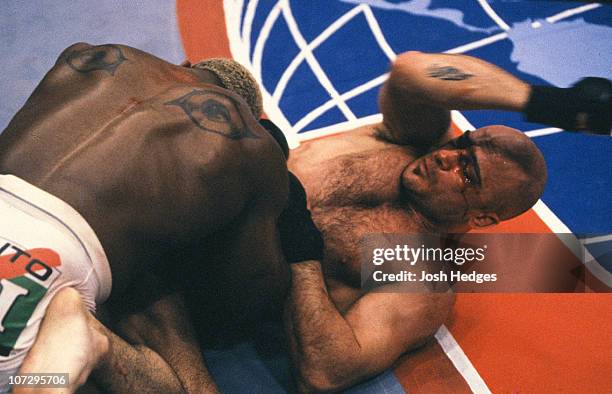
586	106
301	239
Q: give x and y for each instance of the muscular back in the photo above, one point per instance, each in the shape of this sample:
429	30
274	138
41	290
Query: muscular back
155	159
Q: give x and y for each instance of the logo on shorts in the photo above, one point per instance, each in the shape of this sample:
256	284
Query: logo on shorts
25	277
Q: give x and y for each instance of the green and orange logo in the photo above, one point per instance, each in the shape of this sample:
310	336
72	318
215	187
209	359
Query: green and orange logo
25	277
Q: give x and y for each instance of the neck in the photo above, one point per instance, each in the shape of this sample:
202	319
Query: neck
206	76
436	226
427	224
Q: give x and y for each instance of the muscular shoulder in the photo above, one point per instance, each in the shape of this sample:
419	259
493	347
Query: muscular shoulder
319	151
86	58
111	63
198	144
219	133
109	58
82	62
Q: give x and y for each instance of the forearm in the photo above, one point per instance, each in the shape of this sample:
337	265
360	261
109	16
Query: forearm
323	345
128	368
66	343
422	88
157	350
457	82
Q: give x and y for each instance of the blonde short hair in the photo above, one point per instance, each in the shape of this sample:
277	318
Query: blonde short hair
238	79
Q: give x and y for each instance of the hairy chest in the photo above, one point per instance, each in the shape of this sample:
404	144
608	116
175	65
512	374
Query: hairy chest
352	195
345	228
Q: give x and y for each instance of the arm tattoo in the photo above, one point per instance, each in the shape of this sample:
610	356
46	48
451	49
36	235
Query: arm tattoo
215	113
447	73
103	57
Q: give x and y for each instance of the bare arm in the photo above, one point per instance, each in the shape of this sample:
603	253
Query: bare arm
163	356
333	350
159	354
72	341
65	343
422	89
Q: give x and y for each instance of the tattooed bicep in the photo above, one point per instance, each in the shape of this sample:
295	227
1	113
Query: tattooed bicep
214	112
84	58
447	73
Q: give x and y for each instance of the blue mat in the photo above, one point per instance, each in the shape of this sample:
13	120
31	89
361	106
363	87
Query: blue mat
35	32
262	366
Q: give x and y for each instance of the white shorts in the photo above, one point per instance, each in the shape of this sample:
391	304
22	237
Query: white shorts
45	245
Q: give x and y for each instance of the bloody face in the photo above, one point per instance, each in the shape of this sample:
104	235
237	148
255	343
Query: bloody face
460	178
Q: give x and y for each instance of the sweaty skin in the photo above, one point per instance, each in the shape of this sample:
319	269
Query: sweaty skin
178	180
368	197
356	181
404	175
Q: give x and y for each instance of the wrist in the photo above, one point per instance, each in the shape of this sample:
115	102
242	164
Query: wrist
585	106
308	269
101	344
550	105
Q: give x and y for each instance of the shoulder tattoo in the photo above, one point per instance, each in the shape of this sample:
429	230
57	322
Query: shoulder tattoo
214	112
382	134
102	57
447	73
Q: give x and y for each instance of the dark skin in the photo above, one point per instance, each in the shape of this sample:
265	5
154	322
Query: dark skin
181	185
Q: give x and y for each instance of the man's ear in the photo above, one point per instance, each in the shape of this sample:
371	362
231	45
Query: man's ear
484	220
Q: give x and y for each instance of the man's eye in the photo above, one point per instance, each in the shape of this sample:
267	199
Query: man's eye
465	163
215	111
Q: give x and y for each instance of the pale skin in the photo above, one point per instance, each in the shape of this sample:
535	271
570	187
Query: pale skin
338	335
68	333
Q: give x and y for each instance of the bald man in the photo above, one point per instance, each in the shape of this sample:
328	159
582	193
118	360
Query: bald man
408	174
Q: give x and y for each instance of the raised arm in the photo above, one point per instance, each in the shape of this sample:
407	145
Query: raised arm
423	87
333	350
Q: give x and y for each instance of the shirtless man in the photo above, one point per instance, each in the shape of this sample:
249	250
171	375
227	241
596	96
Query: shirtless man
181	186
409	174
153	119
